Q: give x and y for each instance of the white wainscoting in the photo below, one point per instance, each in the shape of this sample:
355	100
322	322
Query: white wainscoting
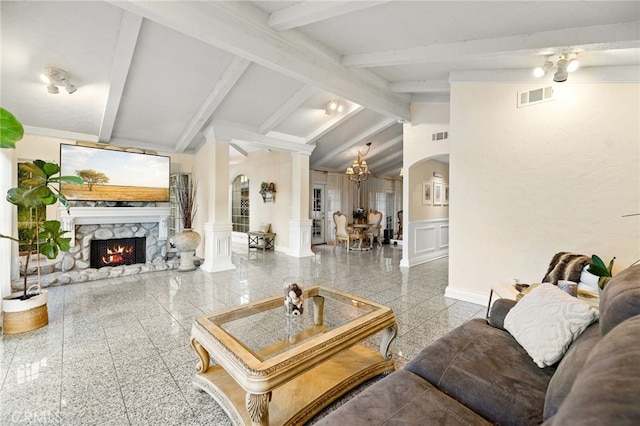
429	240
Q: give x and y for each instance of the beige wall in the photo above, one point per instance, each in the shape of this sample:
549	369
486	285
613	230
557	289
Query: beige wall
420	174
268	166
426	119
529	182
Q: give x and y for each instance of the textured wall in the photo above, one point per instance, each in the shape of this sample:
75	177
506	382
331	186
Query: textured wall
532	181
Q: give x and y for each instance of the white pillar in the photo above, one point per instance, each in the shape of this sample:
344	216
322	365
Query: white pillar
8	249
407	238
300	223
217	228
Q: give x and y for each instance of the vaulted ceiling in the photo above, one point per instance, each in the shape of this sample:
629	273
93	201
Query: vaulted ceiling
155	75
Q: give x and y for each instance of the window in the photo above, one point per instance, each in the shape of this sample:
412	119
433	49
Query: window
176	181
240	204
27	217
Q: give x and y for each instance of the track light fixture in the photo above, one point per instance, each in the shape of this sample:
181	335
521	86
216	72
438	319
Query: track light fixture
333	106
55	77
565	65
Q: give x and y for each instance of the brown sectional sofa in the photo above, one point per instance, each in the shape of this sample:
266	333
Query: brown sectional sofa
478	374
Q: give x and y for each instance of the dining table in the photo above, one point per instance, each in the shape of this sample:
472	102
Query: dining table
360	228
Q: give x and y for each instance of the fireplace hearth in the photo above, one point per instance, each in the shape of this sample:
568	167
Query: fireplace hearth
117	251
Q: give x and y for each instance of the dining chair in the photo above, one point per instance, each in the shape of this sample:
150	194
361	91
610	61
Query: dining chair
343	232
374	219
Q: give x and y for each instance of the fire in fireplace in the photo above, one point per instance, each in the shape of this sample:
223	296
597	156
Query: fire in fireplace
118	251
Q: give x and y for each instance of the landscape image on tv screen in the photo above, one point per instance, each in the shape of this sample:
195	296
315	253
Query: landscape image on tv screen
111	175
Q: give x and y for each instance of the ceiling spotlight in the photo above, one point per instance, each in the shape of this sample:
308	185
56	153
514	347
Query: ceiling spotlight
70	88
561	74
573	65
540	72
55	77
52	88
333	106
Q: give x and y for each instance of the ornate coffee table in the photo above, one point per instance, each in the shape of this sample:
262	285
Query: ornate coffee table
282	370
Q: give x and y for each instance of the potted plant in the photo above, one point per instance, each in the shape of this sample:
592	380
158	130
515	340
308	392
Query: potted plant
268	192
359	215
11	130
27	310
187	240
599	269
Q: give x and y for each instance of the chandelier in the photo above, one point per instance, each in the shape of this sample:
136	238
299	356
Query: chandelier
359	171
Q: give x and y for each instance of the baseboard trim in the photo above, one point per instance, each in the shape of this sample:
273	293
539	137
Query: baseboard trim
467	296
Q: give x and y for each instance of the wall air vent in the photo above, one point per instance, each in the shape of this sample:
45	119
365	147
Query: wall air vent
536	96
439	136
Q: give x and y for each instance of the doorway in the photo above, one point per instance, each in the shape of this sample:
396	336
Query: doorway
317	214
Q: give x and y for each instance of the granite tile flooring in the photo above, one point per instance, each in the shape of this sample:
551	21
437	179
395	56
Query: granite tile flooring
116	351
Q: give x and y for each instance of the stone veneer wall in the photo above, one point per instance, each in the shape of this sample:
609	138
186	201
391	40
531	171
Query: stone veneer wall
78	257
73	266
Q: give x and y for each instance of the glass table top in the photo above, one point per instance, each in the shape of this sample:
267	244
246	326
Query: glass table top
265	330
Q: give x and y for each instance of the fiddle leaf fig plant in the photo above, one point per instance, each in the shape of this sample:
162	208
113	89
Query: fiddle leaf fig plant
38	191
11	130
599	269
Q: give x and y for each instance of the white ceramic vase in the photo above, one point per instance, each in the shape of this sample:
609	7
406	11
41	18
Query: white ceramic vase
187	242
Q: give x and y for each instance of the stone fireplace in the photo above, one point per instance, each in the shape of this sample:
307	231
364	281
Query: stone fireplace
94	226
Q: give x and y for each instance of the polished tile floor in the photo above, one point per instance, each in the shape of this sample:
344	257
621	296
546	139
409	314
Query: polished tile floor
116	351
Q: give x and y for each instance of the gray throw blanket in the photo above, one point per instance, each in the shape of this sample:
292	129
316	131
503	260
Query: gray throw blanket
566	266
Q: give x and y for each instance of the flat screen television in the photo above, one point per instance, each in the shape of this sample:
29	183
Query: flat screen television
111	175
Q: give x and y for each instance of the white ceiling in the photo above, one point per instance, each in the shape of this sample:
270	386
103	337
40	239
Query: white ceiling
154	75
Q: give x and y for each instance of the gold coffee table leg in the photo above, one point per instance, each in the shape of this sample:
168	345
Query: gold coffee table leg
258	408
318	310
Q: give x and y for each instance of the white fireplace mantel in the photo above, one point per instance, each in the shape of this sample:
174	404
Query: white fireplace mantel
109	215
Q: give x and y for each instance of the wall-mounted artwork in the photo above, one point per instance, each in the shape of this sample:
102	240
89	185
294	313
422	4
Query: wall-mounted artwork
426	193
113	175
437	193
446	194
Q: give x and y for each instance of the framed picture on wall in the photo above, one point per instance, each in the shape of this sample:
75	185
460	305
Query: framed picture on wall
437	193
426	193
446	194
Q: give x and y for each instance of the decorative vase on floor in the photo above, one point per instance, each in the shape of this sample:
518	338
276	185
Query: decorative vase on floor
187	242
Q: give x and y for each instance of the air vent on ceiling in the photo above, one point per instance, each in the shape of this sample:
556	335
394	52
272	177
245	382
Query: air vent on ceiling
532	97
439	136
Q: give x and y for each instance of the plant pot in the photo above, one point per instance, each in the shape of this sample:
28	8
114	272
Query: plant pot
24	315
186	242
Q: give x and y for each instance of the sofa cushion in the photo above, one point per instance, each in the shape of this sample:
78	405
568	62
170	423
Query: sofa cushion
546	321
606	390
402	398
566	372
488	371
620	299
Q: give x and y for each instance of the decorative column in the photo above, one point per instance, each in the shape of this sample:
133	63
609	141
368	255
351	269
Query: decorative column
214	179
300	223
8	251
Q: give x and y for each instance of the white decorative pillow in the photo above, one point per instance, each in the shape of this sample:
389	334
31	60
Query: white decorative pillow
546	321
264	227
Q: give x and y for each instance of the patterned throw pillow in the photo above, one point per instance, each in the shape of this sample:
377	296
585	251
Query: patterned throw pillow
546	321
